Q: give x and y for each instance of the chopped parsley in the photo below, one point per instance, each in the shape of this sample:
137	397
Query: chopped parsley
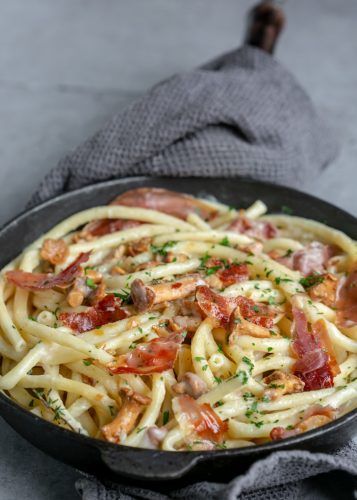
279	280
164	249
247	361
311	280
253	409
87	362
243	376
139	429
225	242
218	380
58	412
212	270
287	210
165	417
124	295
90	283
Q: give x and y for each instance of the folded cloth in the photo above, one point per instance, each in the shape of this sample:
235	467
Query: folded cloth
242	114
277	477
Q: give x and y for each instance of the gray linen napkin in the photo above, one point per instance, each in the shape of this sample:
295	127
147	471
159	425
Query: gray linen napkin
242	114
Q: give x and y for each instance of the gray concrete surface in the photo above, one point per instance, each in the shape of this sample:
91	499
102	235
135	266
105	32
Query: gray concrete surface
67	65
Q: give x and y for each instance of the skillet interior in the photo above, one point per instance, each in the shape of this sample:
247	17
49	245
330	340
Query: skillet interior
114	461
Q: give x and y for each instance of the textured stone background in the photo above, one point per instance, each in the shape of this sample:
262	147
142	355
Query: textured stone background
67	65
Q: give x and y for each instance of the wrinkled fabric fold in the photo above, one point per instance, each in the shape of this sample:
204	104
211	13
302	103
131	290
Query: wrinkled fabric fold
278	477
243	114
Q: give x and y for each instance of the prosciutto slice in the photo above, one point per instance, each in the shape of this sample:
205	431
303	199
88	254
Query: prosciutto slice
261	230
198	420
169	202
346	303
107	226
220	308
259	314
42	281
309	260
316	364
233	273
107	310
155	356
215	306
314	417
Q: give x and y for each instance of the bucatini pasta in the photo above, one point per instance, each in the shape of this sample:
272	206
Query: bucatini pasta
170	322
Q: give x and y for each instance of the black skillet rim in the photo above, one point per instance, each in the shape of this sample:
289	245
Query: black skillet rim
196	455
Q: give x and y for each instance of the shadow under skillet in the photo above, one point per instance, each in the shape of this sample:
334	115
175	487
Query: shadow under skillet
29	474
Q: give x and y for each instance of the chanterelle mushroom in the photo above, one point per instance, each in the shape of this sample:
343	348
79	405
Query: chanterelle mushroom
191	384
281	383
54	251
124	422
145	296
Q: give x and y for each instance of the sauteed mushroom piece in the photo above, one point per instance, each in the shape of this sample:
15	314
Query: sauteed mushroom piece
280	383
145	296
191	384
124	422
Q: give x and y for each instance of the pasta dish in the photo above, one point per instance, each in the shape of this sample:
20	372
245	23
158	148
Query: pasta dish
171	322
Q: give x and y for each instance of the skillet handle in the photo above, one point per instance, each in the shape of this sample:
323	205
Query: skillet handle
148	464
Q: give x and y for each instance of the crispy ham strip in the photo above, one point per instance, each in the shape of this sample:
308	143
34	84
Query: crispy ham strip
107	310
198	421
169	202
215	306
314	417
106	226
145	296
155	356
133	405
41	281
220	309
316	365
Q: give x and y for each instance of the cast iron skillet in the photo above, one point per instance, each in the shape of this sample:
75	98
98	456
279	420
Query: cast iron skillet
135	464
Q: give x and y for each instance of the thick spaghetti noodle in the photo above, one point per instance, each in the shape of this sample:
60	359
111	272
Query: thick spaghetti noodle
170	322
